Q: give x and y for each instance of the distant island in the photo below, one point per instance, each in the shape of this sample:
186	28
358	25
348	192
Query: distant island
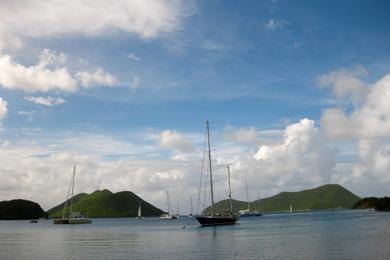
330	196
20	209
105	204
380	204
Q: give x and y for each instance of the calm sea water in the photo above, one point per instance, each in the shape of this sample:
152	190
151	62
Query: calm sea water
316	235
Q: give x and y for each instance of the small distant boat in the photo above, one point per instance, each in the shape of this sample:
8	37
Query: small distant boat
167	215
33	221
247	212
73	217
216	218
139	215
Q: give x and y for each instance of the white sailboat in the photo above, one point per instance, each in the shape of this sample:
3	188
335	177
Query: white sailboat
73	217
168	215
139	215
248	212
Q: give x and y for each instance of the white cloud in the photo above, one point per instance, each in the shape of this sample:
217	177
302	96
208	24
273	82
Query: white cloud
49	74
135	82
132	56
28	114
370	120
146	19
173	140
3	108
246	135
274	24
346	83
367	126
97	78
46	101
43	77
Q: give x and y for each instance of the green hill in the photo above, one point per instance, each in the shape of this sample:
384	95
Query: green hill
105	204
381	204
21	209
330	196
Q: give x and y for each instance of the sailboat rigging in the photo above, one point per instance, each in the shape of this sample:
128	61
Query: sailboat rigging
168	215
248	212
73	217
216	218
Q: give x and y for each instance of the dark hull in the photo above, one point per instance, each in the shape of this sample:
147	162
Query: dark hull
249	215
216	220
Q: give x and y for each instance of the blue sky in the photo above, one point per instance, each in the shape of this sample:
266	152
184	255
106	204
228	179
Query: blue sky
170	65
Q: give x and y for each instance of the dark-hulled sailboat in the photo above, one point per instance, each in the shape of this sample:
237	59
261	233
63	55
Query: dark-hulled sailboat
216	218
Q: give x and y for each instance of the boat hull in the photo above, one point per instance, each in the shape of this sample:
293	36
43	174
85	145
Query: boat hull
249	215
213	220
72	221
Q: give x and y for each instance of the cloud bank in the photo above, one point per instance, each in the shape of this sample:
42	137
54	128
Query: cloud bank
146	19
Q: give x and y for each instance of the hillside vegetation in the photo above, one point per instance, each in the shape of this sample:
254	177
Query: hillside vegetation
380	204
105	204
20	209
330	196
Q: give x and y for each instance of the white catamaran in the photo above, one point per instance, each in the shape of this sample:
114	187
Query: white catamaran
72	217
168	215
248	212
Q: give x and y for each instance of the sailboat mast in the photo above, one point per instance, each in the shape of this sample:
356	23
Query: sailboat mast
168	202
211	170
247	195
258	201
71	197
230	191
192	209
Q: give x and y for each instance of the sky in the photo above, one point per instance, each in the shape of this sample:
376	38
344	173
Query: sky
297	94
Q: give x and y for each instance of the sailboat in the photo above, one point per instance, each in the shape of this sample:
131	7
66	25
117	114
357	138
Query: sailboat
191	215
168	215
247	212
73	217
216	218
139	215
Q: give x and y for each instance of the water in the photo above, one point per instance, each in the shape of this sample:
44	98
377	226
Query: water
316	235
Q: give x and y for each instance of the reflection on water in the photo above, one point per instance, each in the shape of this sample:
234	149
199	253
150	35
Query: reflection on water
316	235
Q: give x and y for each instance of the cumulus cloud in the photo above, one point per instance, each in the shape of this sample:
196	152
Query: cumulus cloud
366	126
97	78
46	101
51	18
302	158
43	77
3	108
173	140
346	83
243	135
49	74
369	120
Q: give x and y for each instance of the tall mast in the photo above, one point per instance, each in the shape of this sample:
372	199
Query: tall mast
192	209
168	202
247	195
230	191
71	198
211	170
